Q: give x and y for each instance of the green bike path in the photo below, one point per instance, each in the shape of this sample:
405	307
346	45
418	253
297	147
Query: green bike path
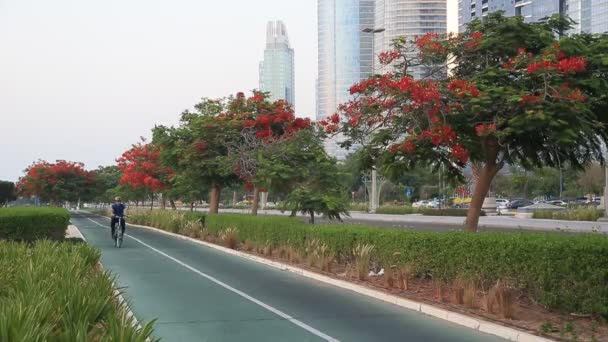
197	293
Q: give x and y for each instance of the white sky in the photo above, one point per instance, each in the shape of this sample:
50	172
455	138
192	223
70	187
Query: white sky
83	79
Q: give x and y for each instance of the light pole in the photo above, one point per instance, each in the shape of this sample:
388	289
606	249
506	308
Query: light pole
374	195
606	194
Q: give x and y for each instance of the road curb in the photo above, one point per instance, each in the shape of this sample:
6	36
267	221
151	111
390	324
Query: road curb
477	324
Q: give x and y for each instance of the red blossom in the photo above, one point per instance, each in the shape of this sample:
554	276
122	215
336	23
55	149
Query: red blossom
460	153
463	88
429	44
387	57
572	65
530	99
485	129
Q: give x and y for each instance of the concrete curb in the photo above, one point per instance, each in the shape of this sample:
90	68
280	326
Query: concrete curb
505	332
74	232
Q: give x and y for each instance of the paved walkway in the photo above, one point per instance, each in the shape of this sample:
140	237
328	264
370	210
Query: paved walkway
201	294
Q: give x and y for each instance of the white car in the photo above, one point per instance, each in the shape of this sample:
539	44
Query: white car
502	203
558	202
270	205
421	204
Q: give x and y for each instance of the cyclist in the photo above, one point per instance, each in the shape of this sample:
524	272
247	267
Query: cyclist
118	210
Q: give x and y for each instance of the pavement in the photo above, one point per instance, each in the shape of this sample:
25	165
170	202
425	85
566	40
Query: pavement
198	293
445	223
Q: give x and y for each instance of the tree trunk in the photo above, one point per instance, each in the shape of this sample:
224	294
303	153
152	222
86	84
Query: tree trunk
233	198
482	185
312	217
172	202
214	199
152	202
191	206
256	201
163	202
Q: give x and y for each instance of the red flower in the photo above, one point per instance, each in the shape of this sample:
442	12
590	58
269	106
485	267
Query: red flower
387	57
460	154
335	118
531	99
474	42
485	129
463	88
572	65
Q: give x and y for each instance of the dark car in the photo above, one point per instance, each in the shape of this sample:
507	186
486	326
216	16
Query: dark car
519	203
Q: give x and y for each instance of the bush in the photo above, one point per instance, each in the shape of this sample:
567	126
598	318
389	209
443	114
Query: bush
446	212
562	272
171	220
396	210
29	224
359	207
582	214
51	291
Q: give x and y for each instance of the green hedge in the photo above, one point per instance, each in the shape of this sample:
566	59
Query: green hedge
582	214
33	223
396	210
173	221
405	210
51	291
446	212
564	272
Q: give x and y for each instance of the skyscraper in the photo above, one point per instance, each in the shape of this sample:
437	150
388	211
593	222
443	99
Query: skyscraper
409	18
345	55
277	68
587	20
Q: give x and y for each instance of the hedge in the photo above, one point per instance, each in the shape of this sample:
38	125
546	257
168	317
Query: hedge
405	210
581	214
33	223
52	291
564	272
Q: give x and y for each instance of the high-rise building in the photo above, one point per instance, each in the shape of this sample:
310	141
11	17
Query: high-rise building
587	20
277	68
408	18
345	56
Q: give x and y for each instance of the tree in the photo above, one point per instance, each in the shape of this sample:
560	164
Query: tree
266	126
7	192
141	169
311	177
591	181
107	178
515	95
198	148
56	182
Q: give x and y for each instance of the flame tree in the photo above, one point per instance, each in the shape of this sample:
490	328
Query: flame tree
516	95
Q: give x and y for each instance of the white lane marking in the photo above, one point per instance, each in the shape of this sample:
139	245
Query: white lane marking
238	292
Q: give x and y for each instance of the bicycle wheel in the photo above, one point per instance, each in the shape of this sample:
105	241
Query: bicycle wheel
119	240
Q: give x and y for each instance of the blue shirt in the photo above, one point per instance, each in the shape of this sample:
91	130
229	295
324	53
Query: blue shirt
118	209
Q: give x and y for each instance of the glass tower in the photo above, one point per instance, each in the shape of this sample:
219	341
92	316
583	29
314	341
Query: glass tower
591	16
409	18
277	68
345	56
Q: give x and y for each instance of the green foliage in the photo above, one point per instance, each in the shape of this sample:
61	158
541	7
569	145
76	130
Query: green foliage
53	292
359	207
107	179
33	223
582	214
174	221
396	210
7	192
446	212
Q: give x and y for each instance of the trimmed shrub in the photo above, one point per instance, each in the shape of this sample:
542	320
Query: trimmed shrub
52	291
446	212
582	214
33	223
396	210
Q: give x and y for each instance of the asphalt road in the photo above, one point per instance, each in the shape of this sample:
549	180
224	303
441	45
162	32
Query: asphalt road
197	293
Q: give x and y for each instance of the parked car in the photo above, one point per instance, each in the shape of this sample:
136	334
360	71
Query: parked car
558	202
519	203
421	204
502	203
270	205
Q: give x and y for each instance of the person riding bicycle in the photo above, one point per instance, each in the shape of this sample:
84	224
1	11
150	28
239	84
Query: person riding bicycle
118	210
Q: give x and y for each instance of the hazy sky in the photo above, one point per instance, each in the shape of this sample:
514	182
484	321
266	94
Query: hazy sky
83	79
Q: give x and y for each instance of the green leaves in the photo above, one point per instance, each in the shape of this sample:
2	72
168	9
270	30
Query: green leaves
29	224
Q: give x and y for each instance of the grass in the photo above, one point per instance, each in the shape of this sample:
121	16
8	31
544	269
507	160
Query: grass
581	214
52	291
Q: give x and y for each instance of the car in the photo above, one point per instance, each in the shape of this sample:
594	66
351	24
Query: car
421	204
519	203
502	203
270	205
557	202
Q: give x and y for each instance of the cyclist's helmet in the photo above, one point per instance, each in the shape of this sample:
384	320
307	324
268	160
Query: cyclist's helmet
117	199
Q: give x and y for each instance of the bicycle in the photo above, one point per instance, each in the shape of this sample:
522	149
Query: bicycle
119	231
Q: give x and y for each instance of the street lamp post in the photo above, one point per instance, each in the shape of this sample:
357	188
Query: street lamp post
606	194
374	202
